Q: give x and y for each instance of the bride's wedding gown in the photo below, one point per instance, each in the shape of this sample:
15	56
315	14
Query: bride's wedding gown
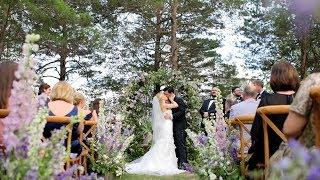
161	158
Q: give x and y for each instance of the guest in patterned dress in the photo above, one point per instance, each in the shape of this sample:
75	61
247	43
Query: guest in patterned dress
298	121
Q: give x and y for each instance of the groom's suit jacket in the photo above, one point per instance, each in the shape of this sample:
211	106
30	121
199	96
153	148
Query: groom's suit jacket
179	115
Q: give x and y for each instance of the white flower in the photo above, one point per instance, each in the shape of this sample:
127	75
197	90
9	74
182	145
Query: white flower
212	176
105	156
28	38
35	47
26	49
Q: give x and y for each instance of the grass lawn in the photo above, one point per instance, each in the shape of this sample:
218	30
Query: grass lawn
147	177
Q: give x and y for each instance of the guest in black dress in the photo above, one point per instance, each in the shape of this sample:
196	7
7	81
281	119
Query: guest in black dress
284	82
62	105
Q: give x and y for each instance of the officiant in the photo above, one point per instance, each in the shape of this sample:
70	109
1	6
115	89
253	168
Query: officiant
208	108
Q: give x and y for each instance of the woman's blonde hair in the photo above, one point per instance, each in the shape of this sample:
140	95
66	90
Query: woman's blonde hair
78	97
62	91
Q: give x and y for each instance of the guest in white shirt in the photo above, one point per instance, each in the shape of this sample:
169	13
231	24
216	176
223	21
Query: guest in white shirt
247	107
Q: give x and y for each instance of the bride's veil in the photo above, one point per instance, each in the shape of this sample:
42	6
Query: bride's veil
157	117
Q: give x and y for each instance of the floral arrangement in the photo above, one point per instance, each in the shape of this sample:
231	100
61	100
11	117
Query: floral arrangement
109	145
136	102
215	159
28	156
302	164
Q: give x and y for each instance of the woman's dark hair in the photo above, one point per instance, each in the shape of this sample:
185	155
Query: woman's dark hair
7	77
284	77
43	87
169	89
96	105
234	88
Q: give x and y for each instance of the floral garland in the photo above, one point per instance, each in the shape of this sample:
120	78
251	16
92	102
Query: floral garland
135	104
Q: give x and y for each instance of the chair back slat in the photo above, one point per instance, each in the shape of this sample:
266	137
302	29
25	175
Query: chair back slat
92	131
264	112
241	121
64	120
315	96
4	113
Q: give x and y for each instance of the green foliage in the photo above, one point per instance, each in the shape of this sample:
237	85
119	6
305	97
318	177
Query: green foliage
136	102
273	34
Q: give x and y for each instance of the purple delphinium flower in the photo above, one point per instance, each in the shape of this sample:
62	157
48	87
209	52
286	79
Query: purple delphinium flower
67	174
22	105
304	12
32	174
91	176
300	151
202	139
188	167
284	163
221	134
234	154
314	173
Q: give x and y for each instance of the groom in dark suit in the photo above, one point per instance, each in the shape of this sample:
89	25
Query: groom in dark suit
179	126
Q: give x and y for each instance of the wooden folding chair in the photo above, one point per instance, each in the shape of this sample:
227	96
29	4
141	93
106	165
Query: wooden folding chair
82	158
92	131
315	96
4	113
264	112
241	121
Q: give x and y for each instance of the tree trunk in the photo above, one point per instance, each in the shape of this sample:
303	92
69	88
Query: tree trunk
303	57
63	68
157	58
174	46
3	30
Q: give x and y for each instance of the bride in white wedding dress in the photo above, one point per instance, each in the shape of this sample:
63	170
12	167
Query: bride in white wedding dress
161	158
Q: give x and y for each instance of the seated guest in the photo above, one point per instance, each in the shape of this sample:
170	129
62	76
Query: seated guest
7	77
95	105
284	82
247	107
80	102
62	105
232	99
258	84
297	124
44	94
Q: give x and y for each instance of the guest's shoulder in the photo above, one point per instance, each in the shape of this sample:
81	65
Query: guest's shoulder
312	79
